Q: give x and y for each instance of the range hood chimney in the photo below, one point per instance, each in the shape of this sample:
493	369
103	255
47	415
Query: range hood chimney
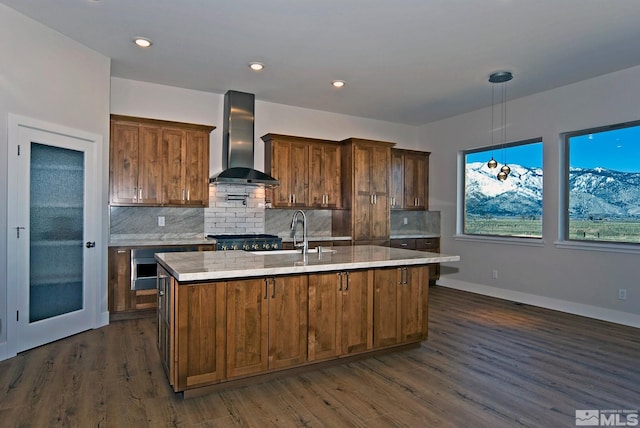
237	143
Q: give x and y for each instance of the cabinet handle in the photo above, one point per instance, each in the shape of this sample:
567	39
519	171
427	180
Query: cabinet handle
371	197
188	195
135	193
340	276
347	275
375	199
273	296
161	293
404	244
266	288
327	201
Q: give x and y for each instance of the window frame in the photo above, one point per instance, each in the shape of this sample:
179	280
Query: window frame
563	196
536	241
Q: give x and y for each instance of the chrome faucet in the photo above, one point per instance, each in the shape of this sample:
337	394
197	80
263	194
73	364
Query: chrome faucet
304	245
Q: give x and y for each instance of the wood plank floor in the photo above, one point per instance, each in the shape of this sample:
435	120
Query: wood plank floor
487	363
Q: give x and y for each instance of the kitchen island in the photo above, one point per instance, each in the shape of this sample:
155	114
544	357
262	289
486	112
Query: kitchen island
233	317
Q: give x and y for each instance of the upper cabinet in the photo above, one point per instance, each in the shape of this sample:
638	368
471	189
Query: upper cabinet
308	170
154	162
409	180
324	175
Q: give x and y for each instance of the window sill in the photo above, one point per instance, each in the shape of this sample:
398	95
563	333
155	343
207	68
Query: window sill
599	246
505	240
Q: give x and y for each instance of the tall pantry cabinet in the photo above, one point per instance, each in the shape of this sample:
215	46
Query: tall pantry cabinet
365	191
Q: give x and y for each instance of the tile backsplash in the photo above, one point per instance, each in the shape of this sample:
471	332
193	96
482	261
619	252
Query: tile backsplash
130	223
241	209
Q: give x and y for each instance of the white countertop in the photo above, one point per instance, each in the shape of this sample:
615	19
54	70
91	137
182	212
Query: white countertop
214	265
415	235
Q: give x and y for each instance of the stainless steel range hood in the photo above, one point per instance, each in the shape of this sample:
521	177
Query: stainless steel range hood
237	143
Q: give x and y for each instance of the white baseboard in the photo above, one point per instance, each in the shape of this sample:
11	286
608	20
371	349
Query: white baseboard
596	312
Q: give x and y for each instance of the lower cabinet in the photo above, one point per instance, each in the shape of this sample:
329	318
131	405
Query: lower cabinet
266	324
400	305
191	332
340	314
213	332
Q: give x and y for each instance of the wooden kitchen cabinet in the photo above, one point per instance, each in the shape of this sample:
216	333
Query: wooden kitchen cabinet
266	324
185	167
409	179
135	172
366	167
400	305
191	332
324	176
340	314
155	162
287	159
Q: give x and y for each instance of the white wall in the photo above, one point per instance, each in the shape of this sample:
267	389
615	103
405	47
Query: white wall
133	98
51	78
577	281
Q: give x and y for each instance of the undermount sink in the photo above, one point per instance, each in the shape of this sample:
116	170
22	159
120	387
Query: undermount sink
284	252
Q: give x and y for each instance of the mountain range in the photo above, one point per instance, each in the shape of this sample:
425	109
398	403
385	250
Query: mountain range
594	193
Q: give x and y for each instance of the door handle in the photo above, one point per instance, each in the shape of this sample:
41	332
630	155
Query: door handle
90	244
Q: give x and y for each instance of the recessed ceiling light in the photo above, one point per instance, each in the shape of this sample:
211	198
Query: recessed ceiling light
338	83
142	42
256	66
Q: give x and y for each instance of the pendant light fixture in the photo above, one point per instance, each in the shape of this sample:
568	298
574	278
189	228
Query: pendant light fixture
500	77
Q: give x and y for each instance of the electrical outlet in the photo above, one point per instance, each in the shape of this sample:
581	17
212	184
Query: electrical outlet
622	294
406	220
161	220
494	274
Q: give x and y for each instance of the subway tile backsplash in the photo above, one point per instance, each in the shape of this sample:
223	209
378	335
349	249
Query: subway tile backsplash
235	209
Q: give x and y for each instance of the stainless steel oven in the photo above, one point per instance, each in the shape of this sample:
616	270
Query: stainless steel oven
144	271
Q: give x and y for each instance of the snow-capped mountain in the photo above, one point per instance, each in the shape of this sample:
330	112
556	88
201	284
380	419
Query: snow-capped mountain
594	193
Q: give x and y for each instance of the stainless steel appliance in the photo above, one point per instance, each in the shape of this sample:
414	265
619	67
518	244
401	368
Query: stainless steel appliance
247	242
144	271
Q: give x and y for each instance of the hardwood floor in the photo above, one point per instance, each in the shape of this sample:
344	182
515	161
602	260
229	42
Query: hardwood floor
487	363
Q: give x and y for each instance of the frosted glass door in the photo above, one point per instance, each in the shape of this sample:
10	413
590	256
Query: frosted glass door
56	238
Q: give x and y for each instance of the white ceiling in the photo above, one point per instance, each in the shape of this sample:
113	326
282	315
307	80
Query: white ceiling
404	61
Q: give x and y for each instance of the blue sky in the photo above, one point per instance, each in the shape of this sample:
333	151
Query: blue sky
617	150
529	155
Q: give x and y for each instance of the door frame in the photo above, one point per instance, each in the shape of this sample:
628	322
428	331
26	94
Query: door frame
97	297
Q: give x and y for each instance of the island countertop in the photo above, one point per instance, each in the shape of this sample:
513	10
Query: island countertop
215	265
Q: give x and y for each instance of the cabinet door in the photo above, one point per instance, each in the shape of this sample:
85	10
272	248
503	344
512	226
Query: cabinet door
150	176
362	195
379	178
325	316
247	327
357	311
413	303
289	164
396	186
173	188
386	329
200	334
196	155
123	163
299	174
415	168
400	305
165	321
119	279
288	326
324	176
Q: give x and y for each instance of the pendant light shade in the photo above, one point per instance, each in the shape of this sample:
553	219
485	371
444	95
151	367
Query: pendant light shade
502	176
505	169
492	163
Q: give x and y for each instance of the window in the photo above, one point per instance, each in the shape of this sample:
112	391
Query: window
510	208
601	199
